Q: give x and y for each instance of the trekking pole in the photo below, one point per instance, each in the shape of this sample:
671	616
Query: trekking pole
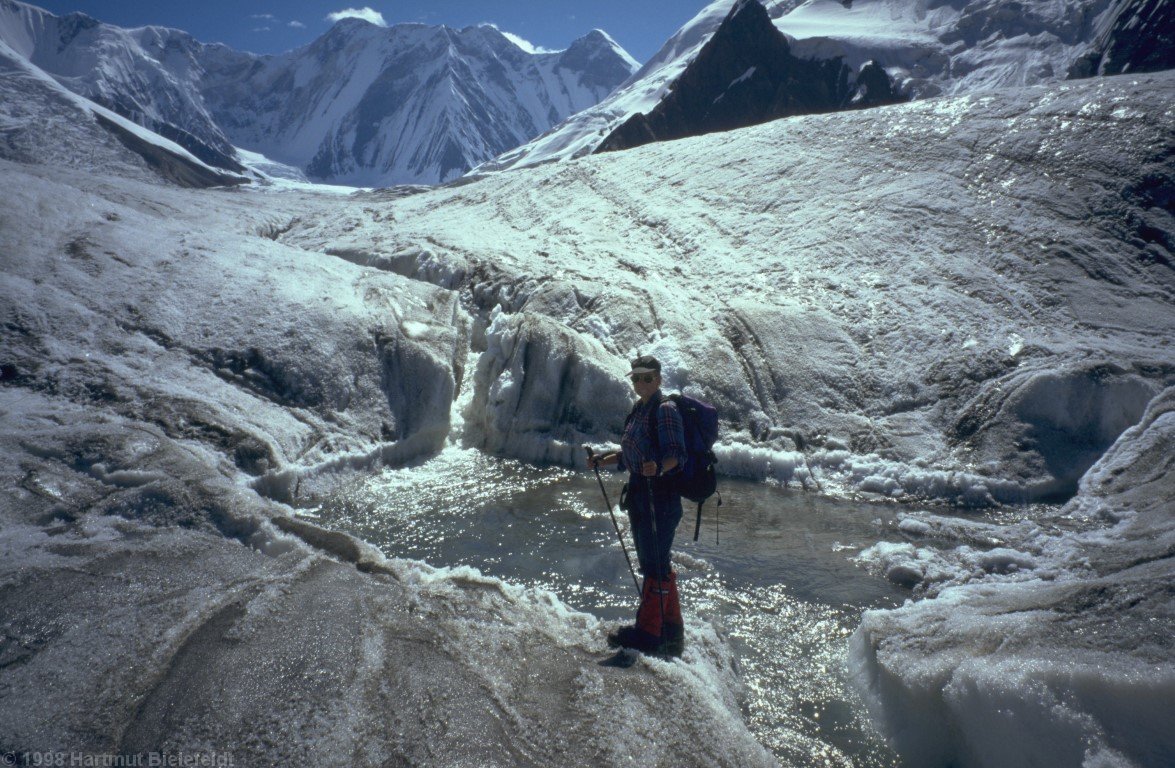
591	455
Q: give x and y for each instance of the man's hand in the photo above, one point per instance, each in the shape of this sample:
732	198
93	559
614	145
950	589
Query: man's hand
595	461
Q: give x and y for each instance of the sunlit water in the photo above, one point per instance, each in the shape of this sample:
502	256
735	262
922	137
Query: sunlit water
779	584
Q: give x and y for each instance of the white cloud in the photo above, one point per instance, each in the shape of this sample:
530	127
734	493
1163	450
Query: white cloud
367	14
261	29
521	42
262	16
296	25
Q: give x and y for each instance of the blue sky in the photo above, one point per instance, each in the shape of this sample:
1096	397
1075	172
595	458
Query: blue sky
272	26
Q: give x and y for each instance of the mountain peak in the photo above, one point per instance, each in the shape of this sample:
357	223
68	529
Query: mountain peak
597	37
353	22
744	75
600	57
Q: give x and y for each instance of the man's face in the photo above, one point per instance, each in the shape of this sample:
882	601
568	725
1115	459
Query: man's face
645	384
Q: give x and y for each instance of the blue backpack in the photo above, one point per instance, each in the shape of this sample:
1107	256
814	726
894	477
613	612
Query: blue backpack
698	479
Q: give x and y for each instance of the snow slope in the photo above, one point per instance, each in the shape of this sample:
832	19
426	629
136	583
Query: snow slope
946	48
147	75
42	119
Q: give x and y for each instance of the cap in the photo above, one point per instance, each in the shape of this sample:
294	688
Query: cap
646	364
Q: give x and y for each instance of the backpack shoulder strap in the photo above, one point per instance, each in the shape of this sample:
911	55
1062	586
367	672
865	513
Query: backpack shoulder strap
651	425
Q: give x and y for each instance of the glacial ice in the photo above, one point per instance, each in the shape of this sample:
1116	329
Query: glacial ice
179	640
542	391
966	300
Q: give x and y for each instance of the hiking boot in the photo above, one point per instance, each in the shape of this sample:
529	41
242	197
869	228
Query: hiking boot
615	636
636	639
672	639
646	635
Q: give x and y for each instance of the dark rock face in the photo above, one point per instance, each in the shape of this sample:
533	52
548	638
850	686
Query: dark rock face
1136	36
173	167
745	75
208	144
874	88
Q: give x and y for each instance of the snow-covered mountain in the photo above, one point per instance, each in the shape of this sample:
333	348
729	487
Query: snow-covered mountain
410	103
150	75
363	104
43	120
927	49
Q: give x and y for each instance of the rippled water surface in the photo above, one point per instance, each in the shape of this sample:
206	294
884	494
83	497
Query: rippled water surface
778	583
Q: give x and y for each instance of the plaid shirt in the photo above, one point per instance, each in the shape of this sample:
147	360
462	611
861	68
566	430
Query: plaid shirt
636	447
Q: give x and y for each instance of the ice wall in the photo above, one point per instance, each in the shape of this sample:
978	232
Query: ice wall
183	315
1063	418
1052	650
541	391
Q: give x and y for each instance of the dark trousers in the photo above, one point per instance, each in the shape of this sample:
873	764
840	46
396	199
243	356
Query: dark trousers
652	551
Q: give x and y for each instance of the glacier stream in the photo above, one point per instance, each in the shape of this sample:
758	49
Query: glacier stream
777	584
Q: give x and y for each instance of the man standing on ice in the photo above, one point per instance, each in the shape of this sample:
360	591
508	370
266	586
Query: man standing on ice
653	451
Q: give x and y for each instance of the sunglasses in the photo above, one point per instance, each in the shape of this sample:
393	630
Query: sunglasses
646	378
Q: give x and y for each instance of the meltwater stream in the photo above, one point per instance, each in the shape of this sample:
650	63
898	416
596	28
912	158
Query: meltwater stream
778	586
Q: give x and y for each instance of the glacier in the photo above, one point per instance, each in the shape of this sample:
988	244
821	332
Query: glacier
1053	651
965	300
821	291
